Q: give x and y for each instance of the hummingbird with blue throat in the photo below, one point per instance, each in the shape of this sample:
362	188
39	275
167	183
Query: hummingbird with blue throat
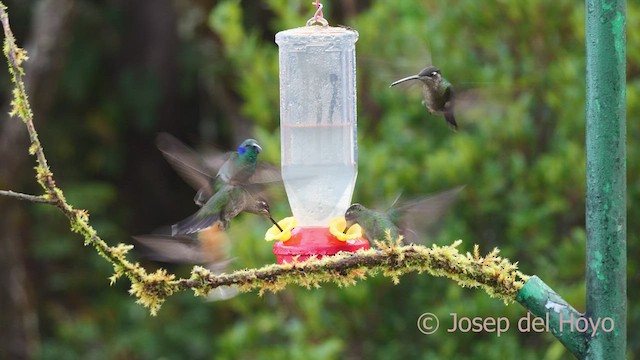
403	220
209	175
437	93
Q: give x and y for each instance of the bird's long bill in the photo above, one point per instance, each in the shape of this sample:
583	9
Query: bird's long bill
412	77
348	225
275	223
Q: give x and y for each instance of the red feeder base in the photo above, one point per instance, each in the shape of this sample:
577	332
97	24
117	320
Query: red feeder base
309	241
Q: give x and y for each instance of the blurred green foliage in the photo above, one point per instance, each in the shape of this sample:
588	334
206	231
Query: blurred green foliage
520	150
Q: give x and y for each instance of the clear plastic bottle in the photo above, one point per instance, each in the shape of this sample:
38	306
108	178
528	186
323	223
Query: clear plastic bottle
318	121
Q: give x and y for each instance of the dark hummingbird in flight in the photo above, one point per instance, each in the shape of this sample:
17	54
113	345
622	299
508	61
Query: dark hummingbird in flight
402	220
209	175
437	93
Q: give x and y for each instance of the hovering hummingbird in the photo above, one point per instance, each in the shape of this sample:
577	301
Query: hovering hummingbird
224	205
401	220
437	93
210	175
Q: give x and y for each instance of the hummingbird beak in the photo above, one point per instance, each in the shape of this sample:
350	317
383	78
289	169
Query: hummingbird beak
412	77
275	223
258	148
350	223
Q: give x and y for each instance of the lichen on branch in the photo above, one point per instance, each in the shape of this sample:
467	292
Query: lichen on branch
494	274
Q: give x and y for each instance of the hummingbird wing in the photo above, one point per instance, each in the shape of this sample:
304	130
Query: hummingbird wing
188	164
171	249
210	247
482	102
418	215
208	173
266	174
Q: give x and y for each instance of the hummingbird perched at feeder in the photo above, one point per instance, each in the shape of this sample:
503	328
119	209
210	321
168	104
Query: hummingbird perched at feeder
207	176
437	93
403	219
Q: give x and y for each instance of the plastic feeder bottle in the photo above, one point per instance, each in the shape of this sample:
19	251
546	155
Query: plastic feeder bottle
318	135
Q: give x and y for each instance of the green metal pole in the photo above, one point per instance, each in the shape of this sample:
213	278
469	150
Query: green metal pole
606	176
560	318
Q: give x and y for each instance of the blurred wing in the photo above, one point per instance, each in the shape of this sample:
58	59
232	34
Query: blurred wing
223	293
482	103
266	174
187	163
210	247
171	249
417	216
214	159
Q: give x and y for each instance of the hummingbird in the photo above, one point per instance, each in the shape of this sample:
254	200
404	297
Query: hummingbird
224	205
209	175
400	220
437	93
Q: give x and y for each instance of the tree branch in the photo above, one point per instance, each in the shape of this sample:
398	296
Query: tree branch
497	276
27	197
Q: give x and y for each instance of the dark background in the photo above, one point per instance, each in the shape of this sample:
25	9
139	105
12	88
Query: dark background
106	76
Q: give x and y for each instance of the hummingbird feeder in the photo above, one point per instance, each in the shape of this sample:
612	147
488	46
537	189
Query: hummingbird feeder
318	140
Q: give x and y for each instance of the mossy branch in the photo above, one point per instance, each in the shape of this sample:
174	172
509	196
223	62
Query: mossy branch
497	276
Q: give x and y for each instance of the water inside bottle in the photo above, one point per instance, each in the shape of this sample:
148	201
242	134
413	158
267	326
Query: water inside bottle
319	169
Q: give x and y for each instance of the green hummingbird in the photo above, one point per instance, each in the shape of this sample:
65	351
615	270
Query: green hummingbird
209	175
437	93
227	203
403	219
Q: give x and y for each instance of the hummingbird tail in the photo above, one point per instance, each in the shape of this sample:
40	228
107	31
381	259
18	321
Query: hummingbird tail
451	120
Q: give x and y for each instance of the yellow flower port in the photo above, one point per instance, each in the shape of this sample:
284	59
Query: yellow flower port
337	226
274	234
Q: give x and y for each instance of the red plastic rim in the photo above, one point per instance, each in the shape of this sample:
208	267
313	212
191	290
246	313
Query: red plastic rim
309	241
